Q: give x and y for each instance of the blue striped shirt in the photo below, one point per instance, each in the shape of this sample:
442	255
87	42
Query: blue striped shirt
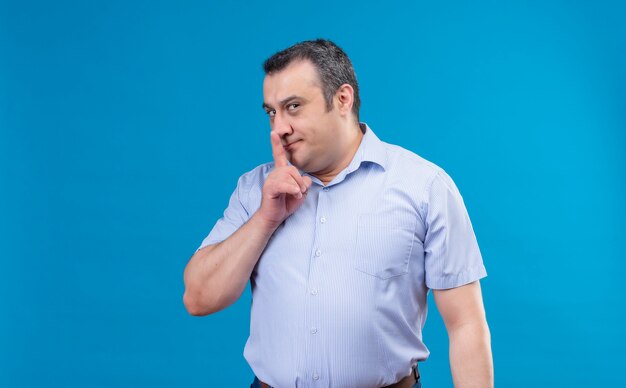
339	293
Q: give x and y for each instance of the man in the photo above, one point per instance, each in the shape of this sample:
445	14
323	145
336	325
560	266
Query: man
341	237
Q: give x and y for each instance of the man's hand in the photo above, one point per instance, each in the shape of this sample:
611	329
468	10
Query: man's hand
284	189
217	275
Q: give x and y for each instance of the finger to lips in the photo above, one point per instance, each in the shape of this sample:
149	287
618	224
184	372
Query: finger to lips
278	151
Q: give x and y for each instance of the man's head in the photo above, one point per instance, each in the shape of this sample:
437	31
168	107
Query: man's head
331	62
311	108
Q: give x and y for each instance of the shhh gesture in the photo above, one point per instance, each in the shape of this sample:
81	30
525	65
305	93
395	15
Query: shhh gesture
284	189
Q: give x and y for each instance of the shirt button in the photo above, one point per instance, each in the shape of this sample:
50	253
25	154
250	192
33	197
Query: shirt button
313	292
313	330
323	219
325	189
318	253
316	376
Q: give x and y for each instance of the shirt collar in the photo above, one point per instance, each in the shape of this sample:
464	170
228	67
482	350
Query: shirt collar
371	149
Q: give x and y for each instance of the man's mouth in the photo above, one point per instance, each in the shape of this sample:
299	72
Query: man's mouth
288	146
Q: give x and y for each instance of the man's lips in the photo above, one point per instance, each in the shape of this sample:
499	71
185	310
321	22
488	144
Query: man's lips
289	145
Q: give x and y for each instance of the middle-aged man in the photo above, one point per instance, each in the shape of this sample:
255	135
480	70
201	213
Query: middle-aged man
341	238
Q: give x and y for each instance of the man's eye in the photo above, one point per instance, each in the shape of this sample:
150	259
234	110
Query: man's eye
271	113
292	106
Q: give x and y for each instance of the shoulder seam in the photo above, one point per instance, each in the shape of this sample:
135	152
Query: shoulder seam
247	188
427	190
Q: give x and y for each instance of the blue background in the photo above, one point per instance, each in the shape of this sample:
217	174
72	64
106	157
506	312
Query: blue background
124	127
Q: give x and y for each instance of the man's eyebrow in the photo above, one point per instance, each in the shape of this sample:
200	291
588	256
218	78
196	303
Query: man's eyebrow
283	101
289	99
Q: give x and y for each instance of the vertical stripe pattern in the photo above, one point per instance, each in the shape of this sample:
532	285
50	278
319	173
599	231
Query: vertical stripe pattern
339	293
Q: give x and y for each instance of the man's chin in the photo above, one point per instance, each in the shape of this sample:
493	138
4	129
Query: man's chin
296	164
299	165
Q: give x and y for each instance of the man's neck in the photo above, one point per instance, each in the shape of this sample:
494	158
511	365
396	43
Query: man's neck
352	145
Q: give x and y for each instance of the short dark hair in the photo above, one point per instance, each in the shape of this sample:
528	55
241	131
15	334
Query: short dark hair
332	64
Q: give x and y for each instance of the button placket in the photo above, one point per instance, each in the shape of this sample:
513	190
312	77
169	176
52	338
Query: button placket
312	363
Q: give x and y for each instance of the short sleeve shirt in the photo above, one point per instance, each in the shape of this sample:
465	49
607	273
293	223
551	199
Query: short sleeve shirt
339	295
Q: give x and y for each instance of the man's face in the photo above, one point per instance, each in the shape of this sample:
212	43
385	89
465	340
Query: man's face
294	101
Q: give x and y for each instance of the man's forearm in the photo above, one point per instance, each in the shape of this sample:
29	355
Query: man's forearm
217	275
470	356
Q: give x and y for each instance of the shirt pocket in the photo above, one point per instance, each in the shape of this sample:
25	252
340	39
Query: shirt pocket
383	246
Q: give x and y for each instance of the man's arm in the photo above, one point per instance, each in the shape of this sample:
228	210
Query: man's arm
470	341
216	275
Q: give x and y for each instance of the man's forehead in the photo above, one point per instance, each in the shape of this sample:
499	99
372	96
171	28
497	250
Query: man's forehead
293	79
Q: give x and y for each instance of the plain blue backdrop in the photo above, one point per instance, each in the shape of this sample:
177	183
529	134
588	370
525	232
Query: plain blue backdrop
124	126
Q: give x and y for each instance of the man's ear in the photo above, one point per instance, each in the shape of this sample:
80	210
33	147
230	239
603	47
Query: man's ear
344	99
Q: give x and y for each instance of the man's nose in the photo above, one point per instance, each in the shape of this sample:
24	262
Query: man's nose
282	126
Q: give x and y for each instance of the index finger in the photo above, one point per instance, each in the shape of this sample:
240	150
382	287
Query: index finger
280	156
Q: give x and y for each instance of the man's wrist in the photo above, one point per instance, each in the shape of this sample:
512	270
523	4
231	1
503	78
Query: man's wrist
263	225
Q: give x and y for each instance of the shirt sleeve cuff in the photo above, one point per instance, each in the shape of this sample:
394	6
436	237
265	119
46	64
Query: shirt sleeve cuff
458	279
